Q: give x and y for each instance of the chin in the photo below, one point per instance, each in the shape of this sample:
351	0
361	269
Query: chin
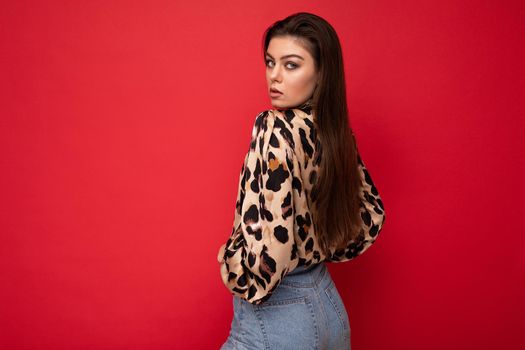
279	104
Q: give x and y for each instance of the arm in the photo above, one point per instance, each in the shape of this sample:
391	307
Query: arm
372	215
259	250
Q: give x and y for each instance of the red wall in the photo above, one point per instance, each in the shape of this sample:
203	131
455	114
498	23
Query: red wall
123	128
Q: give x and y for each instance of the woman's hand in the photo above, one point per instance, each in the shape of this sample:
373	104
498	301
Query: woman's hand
221	253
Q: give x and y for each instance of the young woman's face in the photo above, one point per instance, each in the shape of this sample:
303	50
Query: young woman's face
290	69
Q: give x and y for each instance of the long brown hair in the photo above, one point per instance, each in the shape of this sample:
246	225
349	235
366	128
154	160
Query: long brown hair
335	193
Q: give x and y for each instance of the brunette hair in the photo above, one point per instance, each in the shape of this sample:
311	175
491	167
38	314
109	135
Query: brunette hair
335	193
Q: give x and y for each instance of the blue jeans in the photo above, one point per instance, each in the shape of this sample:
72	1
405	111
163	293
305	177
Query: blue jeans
304	312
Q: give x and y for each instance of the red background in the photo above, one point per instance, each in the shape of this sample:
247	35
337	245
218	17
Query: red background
122	132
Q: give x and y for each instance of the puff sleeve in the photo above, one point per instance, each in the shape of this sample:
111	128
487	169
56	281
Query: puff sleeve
259	250
372	215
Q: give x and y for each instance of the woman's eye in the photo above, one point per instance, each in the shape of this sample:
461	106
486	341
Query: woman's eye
290	65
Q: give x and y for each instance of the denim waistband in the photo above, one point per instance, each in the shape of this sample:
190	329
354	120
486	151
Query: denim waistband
305	276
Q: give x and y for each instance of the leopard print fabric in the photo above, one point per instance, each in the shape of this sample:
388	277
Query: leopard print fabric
273	232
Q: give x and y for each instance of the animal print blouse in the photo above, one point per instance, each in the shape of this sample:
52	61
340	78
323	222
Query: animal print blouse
273	232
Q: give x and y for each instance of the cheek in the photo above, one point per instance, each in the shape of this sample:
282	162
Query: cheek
300	83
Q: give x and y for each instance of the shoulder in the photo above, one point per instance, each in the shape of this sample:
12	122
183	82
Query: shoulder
294	126
289	118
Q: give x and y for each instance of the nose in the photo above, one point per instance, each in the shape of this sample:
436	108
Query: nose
275	74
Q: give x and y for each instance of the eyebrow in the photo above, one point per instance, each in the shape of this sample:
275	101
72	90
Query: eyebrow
286	56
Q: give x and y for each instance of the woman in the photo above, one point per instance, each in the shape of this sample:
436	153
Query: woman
305	198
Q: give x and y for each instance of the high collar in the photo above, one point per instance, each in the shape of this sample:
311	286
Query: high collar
307	103
306	106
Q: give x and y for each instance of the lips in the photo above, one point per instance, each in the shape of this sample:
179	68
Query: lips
275	90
